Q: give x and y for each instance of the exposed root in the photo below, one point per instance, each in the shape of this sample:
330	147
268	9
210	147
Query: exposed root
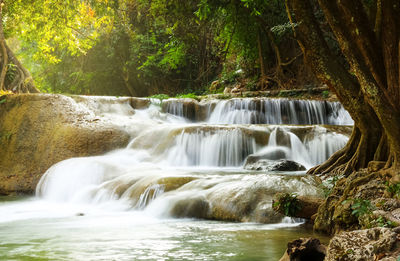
382	151
22	81
360	149
336	162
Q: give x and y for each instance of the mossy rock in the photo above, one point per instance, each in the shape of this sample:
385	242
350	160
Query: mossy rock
39	130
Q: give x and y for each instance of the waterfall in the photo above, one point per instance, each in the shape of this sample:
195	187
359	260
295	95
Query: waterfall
279	111
173	167
205	148
260	111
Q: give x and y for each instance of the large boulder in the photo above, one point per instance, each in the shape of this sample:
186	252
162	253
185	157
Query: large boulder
39	130
273	165
304	206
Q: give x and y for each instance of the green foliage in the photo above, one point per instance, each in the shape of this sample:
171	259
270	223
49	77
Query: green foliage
188	95
363	210
52	25
381	222
137	48
287	203
360	207
161	97
325	94
229	77
328	184
2	100
393	189
281	29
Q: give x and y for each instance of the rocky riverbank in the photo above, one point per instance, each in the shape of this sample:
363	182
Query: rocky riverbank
364	200
40	130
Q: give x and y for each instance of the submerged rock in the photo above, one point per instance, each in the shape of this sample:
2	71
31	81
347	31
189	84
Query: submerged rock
197	207
273	165
39	130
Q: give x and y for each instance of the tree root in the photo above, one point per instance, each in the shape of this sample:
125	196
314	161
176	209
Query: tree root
361	148
336	163
22	82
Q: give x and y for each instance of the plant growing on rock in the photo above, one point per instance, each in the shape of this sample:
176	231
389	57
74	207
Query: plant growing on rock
393	189
363	210
360	207
287	203
188	95
160	96
328	184
325	94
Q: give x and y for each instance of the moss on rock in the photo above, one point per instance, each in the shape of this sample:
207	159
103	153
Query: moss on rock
39	130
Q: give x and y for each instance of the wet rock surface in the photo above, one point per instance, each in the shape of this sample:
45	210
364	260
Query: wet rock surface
272	165
335	214
304	249
308	205
38	130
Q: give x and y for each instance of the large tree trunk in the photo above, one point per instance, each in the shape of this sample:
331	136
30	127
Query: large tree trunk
19	79
368	86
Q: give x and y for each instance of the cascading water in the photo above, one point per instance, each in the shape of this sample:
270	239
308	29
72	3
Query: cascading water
176	169
261	111
226	147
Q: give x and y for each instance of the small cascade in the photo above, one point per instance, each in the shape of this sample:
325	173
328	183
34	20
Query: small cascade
279	111
323	145
226	147
149	195
175	107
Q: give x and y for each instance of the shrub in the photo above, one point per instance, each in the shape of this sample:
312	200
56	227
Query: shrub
160	96
287	203
393	189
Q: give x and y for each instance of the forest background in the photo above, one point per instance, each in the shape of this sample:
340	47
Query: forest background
142	48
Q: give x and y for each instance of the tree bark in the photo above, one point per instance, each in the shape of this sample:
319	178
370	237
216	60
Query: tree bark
366	86
21	81
261	60
4	55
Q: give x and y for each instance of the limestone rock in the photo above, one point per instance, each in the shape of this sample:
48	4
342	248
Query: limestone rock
274	165
366	244
308	206
215	85
227	90
39	130
139	103
335	214
186	107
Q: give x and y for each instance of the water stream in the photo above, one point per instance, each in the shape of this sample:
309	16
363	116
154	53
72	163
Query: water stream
186	167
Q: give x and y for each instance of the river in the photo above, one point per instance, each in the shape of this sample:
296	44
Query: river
181	189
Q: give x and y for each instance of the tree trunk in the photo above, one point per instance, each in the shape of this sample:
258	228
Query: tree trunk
4	55
261	60
368	86
20	80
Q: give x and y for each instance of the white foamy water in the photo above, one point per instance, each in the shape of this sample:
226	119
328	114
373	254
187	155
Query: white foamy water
260	111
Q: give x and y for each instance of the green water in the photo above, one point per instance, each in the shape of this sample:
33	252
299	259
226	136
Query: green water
36	230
